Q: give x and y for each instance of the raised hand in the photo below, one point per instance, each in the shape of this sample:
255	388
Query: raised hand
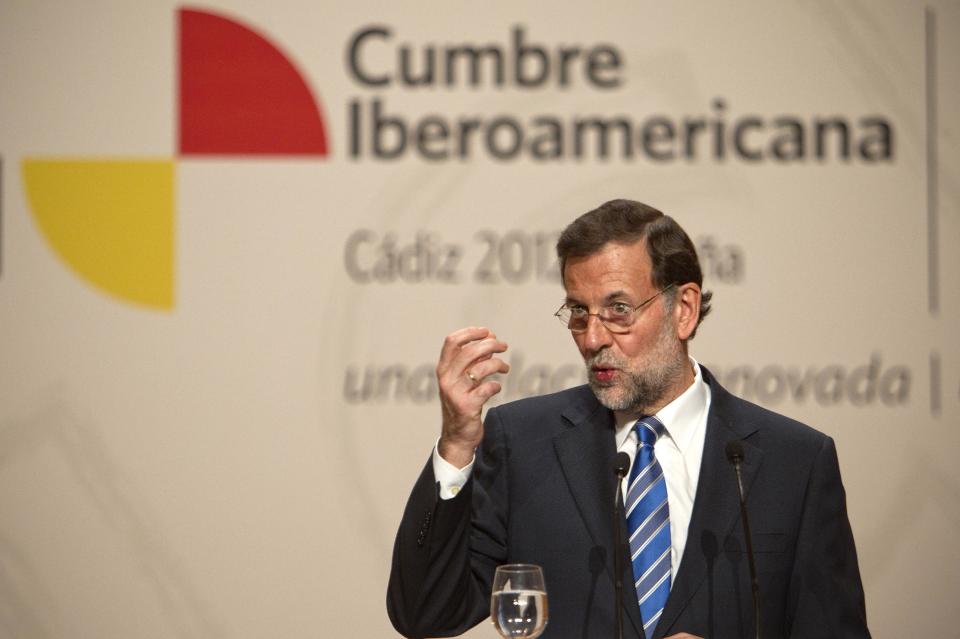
466	360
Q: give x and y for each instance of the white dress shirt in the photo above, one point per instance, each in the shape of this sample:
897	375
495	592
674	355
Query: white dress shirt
679	453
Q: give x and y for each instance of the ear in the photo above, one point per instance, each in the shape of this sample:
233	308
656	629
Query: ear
687	310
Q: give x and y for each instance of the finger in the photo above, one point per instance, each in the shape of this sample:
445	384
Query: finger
476	352
469	356
473	380
468	339
478	371
476	388
456	340
485	391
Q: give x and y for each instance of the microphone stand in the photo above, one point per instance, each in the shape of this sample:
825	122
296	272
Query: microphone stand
735	456
621	468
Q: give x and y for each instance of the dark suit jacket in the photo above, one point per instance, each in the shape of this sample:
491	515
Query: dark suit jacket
542	492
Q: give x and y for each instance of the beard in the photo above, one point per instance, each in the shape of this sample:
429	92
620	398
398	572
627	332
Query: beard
639	390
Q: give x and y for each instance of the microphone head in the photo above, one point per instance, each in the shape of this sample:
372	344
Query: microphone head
734	451
622	465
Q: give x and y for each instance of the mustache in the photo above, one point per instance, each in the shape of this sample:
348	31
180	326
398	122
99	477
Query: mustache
603	360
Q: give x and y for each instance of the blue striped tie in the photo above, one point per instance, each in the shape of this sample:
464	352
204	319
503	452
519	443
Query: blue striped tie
648	524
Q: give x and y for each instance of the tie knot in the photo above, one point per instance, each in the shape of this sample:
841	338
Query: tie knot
649	430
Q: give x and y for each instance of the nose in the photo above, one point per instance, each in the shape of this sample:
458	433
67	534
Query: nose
596	337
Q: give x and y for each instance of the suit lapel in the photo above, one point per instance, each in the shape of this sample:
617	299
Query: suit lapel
586	453
717	506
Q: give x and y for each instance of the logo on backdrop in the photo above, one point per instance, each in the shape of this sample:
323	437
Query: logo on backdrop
112	220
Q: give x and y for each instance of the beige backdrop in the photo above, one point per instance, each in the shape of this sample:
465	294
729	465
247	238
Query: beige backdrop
235	466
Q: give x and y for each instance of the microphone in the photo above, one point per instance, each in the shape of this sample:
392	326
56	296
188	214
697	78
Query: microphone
620	467
734	452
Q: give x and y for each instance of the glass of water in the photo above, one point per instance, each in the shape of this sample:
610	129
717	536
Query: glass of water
518	605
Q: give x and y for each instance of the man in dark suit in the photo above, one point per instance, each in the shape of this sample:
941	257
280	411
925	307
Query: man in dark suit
534	483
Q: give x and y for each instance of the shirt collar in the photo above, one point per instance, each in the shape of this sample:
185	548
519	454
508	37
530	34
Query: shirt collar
679	417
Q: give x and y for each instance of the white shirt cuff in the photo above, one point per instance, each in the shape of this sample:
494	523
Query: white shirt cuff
450	478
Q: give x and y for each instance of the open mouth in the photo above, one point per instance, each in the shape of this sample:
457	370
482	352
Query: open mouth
603	374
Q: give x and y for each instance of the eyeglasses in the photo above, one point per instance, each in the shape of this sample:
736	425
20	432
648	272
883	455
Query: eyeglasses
617	317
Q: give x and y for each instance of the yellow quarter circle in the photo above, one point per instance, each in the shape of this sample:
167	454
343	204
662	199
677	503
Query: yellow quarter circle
111	221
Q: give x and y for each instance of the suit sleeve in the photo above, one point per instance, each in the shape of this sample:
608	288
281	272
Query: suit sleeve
825	596
446	551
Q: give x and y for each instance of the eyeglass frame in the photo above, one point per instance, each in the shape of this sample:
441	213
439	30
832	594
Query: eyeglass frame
614	329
